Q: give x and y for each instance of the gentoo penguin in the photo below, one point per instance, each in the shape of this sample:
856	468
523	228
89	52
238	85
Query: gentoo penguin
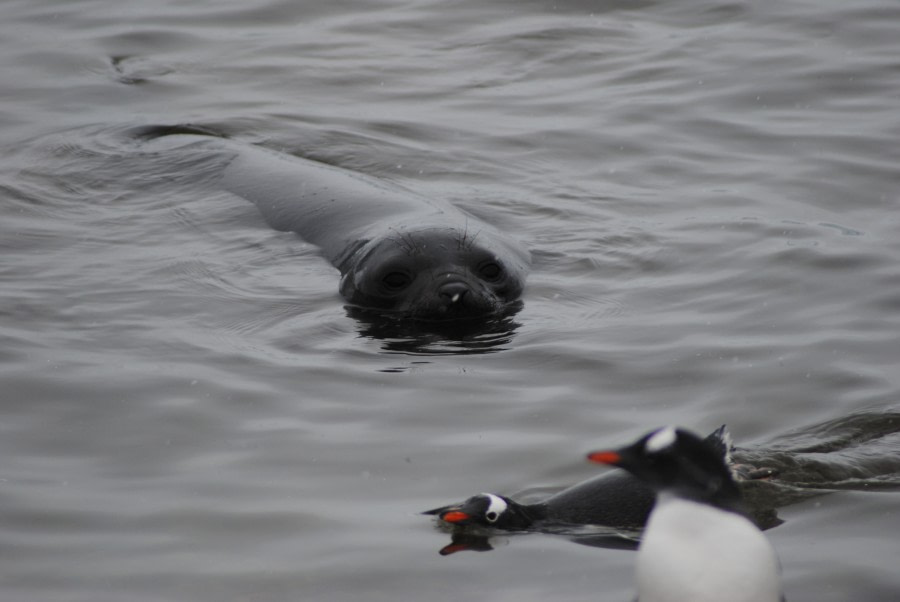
698	544
614	499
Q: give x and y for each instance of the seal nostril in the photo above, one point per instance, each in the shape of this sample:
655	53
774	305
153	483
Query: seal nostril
453	293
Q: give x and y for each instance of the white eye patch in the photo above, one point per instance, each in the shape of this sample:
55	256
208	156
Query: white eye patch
497	507
660	440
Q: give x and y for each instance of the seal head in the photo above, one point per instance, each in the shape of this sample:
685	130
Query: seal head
434	273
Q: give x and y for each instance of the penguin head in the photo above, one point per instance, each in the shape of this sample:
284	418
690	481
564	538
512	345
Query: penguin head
675	460
485	510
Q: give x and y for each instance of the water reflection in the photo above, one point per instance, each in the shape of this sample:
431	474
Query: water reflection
466	542
463	541
398	334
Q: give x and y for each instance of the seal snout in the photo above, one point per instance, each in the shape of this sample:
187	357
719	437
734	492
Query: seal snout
453	293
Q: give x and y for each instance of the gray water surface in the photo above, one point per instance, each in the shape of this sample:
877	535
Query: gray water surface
710	192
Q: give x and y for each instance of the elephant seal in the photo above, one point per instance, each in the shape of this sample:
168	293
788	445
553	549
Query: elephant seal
397	251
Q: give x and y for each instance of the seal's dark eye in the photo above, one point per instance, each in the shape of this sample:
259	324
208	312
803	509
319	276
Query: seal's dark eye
396	280
490	271
492	516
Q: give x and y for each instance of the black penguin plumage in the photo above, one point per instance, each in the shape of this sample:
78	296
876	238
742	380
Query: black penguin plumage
698	544
613	499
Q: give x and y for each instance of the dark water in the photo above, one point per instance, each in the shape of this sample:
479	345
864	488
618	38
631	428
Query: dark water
710	191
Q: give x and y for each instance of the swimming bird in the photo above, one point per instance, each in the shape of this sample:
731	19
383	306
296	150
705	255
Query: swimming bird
614	499
698	545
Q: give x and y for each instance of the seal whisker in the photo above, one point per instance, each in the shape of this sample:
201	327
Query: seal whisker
471	244
465	234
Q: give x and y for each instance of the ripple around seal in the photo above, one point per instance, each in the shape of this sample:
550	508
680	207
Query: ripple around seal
472	337
565	307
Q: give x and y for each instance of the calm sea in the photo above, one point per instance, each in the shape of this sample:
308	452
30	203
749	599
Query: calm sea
710	191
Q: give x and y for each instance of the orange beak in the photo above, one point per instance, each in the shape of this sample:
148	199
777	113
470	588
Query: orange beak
455	516
605	457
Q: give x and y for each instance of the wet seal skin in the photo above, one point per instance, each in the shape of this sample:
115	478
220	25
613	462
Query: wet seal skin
398	252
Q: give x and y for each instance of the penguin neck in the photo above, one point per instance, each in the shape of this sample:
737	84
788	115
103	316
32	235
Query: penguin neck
523	516
727	497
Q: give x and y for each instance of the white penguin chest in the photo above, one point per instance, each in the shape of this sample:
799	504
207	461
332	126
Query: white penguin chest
693	551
